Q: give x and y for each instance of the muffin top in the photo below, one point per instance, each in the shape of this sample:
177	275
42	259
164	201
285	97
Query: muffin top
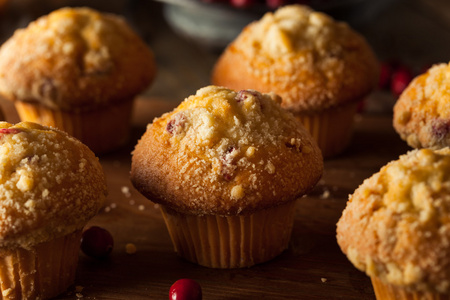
223	152
50	184
396	225
312	61
75	59
422	113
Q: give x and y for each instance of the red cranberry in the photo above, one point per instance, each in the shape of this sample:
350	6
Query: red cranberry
9	130
228	165
385	75
275	3
97	242
185	289
242	3
440	128
176	124
401	77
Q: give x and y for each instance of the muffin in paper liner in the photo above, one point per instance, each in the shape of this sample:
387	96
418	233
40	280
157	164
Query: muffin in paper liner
227	167
315	63
51	185
231	241
77	69
41	272
101	130
396	227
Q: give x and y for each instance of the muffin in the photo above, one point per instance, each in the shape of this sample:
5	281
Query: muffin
396	227
78	70
50	186
227	168
422	112
321	68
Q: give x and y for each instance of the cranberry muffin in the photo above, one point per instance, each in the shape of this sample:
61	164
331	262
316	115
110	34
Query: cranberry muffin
227	168
79	70
422	113
320	67
51	185
396	227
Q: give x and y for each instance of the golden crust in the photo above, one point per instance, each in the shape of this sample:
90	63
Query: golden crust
225	153
422	113
396	225
50	184
310	60
75	59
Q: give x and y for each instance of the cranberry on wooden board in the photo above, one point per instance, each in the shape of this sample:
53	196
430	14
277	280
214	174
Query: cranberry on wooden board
97	242
401	77
242	3
185	289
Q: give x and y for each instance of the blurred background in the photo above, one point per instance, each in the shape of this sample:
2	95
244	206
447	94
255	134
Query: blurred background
188	35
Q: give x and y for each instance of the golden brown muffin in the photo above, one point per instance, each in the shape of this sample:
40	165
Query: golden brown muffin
422	113
321	68
51	185
78	70
396	227
227	168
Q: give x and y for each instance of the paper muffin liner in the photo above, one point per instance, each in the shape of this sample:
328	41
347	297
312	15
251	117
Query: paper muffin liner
231	241
41	272
101	130
385	291
332	129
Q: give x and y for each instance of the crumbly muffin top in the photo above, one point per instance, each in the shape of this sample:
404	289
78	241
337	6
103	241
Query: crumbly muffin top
396	225
422	113
225	152
312	61
75	58
50	184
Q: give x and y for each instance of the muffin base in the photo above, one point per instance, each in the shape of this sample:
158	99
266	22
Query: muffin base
331	128
101	130
41	272
384	291
231	241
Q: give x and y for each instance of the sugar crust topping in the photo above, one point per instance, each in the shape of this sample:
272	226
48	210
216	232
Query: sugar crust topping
50	184
227	148
396	225
75	57
422	113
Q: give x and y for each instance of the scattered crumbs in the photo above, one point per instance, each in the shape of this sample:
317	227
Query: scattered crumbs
130	248
126	191
113	205
132	202
141	207
79	288
323	279
156	206
107	209
326	194
79	295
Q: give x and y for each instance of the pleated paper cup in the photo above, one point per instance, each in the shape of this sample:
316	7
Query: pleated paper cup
231	241
102	130
332	128
386	291
41	272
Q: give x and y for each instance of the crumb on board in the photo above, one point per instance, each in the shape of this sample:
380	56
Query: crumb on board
126	191
79	295
326	194
323	279
107	209
130	248
141	207
132	202
79	288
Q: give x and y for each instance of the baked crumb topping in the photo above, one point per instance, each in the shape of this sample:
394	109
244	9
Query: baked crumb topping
50	184
396	225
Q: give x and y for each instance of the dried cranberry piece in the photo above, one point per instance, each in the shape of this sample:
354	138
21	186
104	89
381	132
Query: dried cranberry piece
242	95
97	242
385	75
440	128
9	130
185	289
401	77
176	124
228	165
